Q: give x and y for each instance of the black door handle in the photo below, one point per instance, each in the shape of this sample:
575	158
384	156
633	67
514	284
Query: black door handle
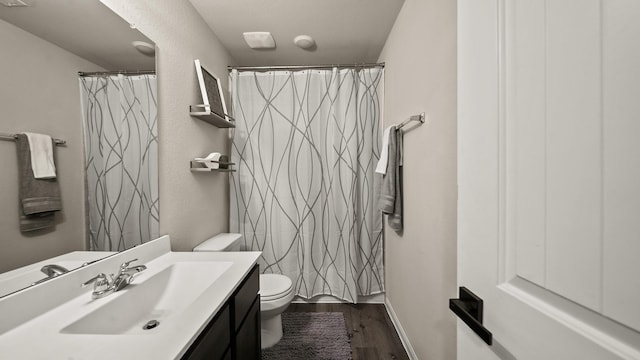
469	309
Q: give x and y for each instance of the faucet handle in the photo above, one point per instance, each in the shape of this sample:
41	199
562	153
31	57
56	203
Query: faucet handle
101	282
125	265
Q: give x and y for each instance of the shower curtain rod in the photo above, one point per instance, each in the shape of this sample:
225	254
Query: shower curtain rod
303	67
120	72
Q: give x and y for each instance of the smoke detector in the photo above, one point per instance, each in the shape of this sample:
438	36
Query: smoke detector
305	42
14	3
144	48
259	40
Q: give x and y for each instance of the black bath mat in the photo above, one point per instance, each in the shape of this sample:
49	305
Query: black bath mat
311	336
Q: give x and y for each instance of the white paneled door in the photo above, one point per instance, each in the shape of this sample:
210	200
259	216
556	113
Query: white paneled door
549	177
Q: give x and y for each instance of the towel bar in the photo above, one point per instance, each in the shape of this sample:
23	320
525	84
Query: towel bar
14	137
420	118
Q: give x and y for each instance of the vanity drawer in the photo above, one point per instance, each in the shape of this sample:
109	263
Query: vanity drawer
247	341
214	340
245	296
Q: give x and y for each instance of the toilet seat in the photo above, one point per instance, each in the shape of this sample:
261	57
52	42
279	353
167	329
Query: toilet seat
274	287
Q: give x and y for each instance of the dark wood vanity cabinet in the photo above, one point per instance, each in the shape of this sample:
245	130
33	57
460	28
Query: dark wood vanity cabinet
213	342
245	320
247	346
234	333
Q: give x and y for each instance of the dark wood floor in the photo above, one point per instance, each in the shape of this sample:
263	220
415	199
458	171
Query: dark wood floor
372	334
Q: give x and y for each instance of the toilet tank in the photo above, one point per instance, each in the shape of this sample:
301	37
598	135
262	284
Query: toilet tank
221	242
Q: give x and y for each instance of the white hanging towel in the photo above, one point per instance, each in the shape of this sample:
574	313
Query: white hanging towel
41	148
381	168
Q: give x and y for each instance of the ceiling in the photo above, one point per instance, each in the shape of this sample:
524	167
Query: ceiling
79	26
345	31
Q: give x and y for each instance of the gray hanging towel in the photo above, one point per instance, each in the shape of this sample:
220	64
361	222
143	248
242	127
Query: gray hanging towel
391	193
39	198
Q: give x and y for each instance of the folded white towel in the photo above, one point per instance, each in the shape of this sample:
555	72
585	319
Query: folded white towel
41	148
381	168
211	161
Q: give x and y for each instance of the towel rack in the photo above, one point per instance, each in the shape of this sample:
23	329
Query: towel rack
420	118
14	137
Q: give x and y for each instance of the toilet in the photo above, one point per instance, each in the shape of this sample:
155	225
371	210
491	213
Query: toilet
276	291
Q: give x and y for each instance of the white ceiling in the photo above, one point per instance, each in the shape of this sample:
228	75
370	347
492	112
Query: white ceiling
86	28
346	31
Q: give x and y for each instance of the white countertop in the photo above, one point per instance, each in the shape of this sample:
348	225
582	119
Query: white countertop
39	336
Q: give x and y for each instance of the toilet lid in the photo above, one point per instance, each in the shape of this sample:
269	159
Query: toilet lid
274	286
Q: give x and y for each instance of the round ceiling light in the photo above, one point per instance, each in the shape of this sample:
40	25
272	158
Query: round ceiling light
304	42
144	48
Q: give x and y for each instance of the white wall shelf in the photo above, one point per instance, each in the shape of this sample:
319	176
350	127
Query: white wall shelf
202	113
198	166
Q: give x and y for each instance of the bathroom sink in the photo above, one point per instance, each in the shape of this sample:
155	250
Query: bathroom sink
154	298
182	291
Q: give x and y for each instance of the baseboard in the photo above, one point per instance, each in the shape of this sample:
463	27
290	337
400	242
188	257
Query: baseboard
403	335
328	299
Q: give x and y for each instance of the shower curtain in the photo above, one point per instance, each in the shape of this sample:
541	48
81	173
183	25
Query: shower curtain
121	160
306	145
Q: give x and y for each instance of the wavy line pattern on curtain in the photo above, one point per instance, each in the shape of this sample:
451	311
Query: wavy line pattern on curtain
306	144
121	160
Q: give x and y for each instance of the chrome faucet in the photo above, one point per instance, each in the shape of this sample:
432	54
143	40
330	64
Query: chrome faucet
51	270
103	285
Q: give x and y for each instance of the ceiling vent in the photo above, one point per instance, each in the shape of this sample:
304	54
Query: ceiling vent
259	40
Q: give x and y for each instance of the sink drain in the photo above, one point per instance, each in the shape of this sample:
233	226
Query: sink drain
150	324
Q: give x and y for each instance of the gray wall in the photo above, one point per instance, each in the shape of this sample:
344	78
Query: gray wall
39	93
420	75
193	206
